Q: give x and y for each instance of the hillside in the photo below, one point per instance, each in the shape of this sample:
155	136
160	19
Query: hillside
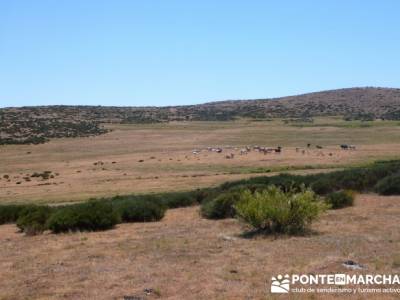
38	124
352	102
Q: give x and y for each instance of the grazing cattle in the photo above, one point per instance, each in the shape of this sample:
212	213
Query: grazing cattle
243	152
308	145
352	147
278	149
318	147
344	146
263	150
218	150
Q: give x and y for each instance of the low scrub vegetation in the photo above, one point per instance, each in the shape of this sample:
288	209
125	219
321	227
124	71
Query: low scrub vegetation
340	199
276	211
357	179
389	185
35	131
10	213
140	210
32	219
91	216
334	186
222	206
179	199
225	201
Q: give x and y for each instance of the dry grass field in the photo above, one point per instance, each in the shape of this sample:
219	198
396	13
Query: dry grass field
158	157
187	257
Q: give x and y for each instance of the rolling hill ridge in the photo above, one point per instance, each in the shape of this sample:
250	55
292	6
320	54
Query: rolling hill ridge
39	123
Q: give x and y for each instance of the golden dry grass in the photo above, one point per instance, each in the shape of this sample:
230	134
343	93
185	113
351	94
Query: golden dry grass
187	257
168	162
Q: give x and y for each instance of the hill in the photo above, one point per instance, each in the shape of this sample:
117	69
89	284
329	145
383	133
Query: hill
38	124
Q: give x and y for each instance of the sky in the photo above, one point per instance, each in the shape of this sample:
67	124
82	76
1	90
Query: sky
139	53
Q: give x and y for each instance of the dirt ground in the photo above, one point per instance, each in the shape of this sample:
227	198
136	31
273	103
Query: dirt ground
154	158
187	257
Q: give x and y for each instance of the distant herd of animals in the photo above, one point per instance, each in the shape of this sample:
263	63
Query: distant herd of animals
264	150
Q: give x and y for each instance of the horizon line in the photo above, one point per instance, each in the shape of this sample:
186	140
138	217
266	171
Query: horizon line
202	103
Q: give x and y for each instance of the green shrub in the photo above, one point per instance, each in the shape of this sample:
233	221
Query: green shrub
221	207
358	179
170	200
206	194
10	213
32	219
340	199
389	185
273	210
322	186
90	216
179	199
140	210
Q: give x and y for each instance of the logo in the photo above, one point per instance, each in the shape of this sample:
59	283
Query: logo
280	284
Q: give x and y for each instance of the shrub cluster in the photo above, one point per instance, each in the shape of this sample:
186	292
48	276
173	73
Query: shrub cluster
140	210
335	186
90	216
33	219
221	207
276	211
10	213
216	203
357	179
179	199
340	199
389	185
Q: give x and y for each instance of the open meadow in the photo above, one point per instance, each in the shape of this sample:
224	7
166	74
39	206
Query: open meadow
206	246
159	157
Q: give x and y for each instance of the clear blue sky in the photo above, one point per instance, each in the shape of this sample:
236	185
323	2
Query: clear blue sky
183	52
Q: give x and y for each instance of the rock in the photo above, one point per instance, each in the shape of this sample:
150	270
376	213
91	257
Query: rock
350	264
148	291
227	237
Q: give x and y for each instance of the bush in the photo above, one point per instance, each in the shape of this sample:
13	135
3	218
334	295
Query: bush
90	216
340	199
170	200
358	179
140	210
202	195
389	185
221	207
179	199
323	186
32	219
273	210
10	213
